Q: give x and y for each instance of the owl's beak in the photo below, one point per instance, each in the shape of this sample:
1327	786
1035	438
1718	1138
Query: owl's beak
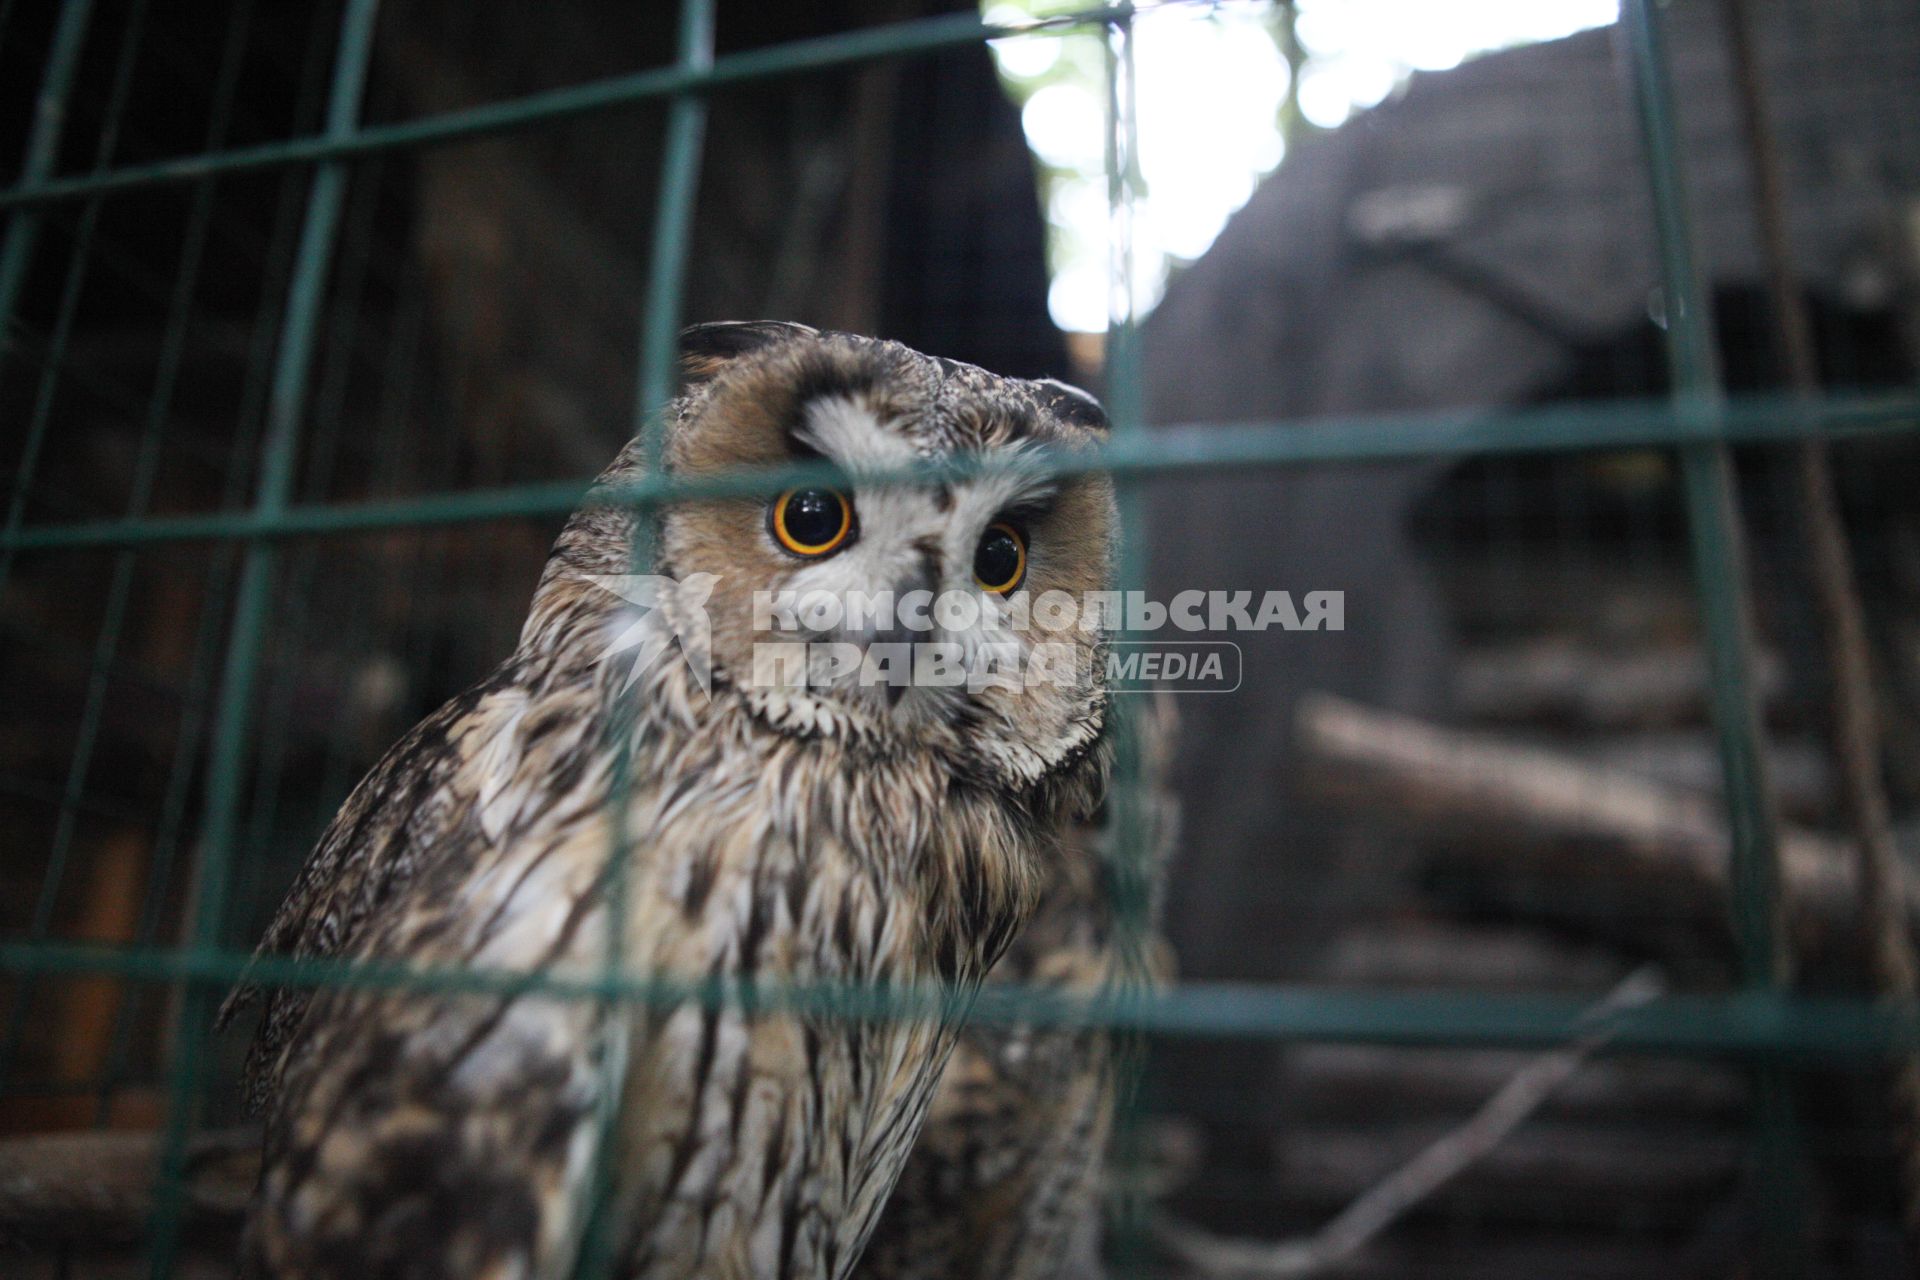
896	631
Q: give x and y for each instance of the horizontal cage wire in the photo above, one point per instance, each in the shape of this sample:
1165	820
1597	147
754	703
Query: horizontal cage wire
1549	917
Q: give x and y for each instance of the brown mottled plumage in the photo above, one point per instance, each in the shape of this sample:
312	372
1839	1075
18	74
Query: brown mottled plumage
783	835
1005	1181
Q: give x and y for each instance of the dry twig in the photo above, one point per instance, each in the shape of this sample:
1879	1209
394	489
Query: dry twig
1413	1182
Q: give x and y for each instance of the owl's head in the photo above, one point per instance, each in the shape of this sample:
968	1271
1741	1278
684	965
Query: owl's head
946	616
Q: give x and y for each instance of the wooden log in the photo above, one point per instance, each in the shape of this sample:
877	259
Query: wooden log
94	1189
1530	807
1563	681
1423	953
1689	759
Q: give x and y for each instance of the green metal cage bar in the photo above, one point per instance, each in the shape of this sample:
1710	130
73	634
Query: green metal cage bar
195	701
41	922
657	384
23	229
825	53
228	753
1714	522
1193	448
43	148
1759	1025
1718	543
1131	863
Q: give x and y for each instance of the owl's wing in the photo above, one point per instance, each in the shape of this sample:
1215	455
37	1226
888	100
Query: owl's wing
406	812
435	1134
422	1130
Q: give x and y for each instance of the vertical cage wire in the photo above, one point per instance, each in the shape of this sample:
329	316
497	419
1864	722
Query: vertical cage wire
1718	544
23	226
247	633
1127	833
171	827
655	388
41	924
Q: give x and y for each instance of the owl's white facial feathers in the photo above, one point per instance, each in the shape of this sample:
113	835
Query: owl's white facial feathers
847	430
911	538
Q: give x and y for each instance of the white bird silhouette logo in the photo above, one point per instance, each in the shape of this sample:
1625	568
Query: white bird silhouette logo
647	629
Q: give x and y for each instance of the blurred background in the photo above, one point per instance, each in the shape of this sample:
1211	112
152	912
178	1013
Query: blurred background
1347	207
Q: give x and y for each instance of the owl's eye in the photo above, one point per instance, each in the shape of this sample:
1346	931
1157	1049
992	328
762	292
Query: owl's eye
1000	562
811	522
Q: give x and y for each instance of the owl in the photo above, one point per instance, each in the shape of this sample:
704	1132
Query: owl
776	823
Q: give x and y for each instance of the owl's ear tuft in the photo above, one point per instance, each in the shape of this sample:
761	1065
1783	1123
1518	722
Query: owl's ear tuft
705	349
1071	404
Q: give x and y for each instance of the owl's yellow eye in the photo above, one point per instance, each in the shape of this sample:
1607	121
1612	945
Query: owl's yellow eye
1000	562
811	522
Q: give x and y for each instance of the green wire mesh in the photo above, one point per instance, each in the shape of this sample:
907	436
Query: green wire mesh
268	547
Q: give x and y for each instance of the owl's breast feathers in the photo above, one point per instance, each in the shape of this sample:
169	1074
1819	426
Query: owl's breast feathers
445	1134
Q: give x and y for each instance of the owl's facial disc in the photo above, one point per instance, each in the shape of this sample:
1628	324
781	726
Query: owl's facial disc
900	590
912	582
